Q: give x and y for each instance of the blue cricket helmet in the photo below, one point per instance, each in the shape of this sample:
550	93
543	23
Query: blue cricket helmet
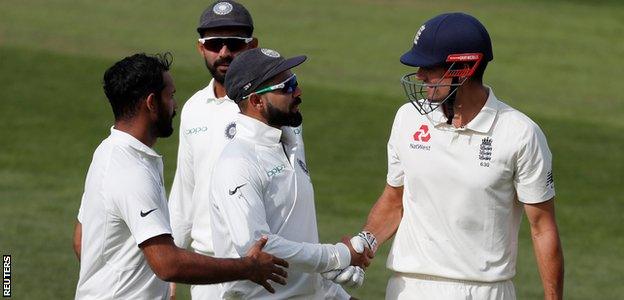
447	34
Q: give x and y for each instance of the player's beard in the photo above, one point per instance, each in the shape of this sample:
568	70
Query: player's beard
164	123
278	118
216	74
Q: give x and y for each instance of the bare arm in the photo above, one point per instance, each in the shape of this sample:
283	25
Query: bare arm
77	239
385	216
547	247
174	264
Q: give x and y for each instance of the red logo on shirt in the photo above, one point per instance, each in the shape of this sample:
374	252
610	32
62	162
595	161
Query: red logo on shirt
422	134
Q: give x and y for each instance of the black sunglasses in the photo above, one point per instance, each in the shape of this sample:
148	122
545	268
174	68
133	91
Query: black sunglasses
233	43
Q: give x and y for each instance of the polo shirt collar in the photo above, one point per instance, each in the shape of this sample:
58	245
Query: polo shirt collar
210	94
256	131
127	139
482	122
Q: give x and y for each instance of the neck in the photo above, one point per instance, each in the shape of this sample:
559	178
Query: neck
138	130
219	89
469	101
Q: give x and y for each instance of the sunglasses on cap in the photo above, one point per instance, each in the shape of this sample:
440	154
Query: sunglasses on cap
287	86
216	43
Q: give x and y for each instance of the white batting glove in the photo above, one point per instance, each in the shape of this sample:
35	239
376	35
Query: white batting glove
331	275
350	276
364	239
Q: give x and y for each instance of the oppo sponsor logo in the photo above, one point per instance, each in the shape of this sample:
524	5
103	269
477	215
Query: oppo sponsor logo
196	130
276	170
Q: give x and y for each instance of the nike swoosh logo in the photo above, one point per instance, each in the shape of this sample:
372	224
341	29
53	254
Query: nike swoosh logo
143	214
232	192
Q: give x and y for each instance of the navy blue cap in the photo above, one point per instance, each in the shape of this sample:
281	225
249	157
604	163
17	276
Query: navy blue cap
225	13
450	33
251	68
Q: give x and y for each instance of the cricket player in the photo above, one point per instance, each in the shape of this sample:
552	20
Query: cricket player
264	186
207	124
463	166
123	238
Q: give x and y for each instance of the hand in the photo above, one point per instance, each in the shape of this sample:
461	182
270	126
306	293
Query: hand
361	259
264	266
350	276
364	239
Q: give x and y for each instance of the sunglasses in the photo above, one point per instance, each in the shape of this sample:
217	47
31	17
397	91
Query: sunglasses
287	86
233	43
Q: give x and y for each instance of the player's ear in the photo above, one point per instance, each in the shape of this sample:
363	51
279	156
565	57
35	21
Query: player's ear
200	48
150	103
253	43
255	102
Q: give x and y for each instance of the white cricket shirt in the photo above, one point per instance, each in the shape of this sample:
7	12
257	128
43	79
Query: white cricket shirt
206	125
123	205
261	186
464	189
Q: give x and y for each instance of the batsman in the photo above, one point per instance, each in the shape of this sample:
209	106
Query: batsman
463	167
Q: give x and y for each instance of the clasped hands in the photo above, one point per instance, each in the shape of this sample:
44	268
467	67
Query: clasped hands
362	248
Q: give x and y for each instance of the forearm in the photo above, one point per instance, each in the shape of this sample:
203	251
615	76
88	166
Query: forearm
547	247
308	257
192	268
549	256
385	216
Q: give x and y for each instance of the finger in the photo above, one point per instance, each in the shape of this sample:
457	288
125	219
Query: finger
277	279
330	275
369	253
366	262
261	242
268	287
279	261
345	275
358	277
281	272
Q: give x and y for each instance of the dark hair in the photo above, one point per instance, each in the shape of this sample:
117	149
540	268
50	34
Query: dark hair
132	79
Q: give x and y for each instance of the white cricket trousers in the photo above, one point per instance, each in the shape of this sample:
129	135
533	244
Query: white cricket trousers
402	286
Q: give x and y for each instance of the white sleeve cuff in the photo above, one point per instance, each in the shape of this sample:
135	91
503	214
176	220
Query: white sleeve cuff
343	256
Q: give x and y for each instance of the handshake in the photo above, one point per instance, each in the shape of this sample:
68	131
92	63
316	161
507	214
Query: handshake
362	247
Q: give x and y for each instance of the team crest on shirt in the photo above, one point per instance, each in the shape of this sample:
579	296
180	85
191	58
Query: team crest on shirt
303	166
230	130
485	152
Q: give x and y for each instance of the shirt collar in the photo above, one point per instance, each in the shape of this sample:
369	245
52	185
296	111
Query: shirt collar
210	94
127	139
482	122
256	131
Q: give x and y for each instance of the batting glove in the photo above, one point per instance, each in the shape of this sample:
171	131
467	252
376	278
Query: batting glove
350	276
364	239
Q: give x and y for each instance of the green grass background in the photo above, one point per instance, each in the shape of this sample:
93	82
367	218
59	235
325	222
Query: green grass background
560	62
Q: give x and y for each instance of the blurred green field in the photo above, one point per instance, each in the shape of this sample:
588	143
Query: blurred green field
560	62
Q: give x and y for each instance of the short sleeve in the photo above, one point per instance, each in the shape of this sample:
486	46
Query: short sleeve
533	178
141	204
395	168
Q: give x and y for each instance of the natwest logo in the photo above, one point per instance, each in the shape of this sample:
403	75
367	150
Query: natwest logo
422	135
